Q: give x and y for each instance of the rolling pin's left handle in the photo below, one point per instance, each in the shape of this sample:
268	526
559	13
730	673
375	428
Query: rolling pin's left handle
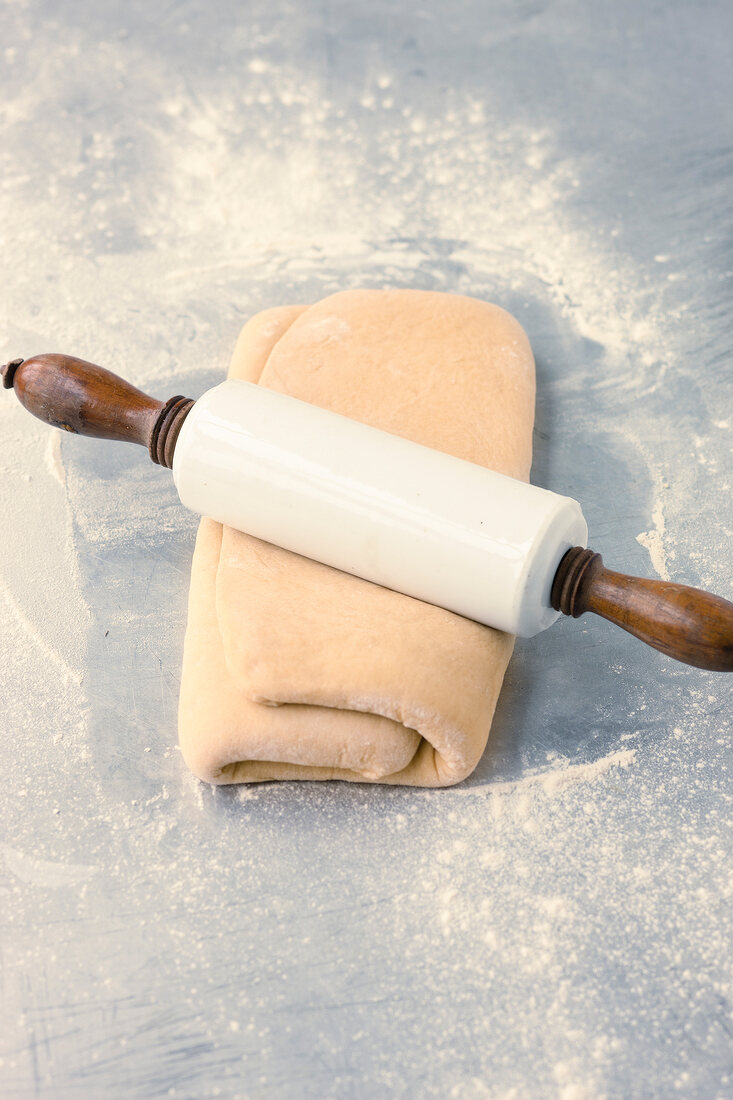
686	623
80	397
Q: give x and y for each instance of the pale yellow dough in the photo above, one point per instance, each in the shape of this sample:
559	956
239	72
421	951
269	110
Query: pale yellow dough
294	670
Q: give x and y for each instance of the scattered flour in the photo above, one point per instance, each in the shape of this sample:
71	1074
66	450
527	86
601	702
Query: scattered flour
42	872
54	461
144	247
556	779
653	540
35	638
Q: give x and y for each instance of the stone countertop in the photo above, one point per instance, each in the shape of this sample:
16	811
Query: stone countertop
560	924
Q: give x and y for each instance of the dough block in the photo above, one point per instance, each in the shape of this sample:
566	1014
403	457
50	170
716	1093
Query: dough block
294	670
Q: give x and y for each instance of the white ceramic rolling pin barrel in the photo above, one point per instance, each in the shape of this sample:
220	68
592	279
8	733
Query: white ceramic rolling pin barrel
424	523
373	504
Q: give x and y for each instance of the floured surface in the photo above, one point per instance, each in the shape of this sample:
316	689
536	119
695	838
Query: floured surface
564	925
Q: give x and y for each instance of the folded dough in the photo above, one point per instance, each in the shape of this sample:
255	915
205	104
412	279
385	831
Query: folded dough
294	670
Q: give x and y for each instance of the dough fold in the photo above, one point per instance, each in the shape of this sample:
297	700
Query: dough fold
294	670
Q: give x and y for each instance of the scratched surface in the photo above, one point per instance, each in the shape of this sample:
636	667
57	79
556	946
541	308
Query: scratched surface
560	925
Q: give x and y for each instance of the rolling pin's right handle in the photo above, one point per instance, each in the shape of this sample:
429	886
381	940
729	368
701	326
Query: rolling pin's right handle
80	397
685	623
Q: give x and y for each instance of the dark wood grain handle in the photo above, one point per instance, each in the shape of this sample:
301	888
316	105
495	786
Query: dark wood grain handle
685	623
81	397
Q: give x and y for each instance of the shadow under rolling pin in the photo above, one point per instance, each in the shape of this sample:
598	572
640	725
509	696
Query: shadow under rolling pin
428	524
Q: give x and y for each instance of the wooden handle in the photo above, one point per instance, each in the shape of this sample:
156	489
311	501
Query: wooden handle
685	623
80	397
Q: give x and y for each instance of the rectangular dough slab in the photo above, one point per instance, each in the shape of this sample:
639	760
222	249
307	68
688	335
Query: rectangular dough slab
294	670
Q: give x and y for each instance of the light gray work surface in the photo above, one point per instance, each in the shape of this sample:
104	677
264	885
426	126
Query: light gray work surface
560	925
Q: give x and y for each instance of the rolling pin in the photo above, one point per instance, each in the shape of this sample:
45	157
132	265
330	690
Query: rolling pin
446	531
